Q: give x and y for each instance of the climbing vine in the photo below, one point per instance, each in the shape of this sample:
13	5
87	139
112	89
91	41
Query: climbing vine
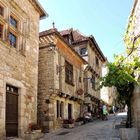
124	72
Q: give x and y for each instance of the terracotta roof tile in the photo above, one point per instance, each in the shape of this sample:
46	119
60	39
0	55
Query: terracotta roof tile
77	35
66	32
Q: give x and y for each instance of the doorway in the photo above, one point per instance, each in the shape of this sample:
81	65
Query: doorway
11	111
69	111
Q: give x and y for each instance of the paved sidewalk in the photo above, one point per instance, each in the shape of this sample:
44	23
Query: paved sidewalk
97	130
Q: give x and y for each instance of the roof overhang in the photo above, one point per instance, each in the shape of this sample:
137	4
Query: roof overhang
39	8
54	31
97	47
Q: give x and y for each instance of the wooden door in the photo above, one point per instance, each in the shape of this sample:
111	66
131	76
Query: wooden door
11	111
69	111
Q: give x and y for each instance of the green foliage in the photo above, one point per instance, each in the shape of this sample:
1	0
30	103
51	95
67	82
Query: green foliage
121	75
124	72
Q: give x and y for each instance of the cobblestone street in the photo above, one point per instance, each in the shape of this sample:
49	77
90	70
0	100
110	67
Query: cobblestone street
97	130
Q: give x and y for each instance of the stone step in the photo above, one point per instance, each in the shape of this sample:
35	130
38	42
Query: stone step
13	138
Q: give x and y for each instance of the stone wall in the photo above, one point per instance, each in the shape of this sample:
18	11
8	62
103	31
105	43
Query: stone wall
135	103
45	81
90	58
19	66
52	87
134	28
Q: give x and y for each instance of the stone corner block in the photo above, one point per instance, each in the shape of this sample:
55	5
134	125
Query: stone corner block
128	133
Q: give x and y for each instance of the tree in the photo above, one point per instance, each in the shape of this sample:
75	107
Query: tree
122	75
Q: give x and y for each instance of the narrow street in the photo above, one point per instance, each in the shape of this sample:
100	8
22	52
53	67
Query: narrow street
96	130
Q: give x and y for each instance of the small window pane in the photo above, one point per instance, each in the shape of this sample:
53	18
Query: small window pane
1	10
13	21
13	40
1	31
68	73
83	51
57	108
93	82
61	109
97	61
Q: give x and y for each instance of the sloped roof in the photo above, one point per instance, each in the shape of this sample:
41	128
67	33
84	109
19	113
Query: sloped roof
80	37
66	32
47	37
97	47
76	34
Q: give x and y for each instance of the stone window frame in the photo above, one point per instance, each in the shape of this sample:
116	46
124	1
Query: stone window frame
11	41
18	32
93	81
69	73
59	109
3	22
97	61
13	21
15	30
62	109
83	51
1	31
1	10
80	76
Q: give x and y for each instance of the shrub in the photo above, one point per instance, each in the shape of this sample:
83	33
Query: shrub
68	121
34	126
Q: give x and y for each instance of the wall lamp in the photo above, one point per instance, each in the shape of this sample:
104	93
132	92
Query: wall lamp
52	46
92	80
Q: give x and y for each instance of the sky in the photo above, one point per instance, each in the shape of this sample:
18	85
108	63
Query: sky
106	20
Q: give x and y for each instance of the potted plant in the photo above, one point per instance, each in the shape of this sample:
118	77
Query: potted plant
68	123
34	127
79	121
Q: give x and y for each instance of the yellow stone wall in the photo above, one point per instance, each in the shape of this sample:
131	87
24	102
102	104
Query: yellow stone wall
19	66
52	83
135	105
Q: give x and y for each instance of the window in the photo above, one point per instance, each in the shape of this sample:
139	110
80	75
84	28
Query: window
66	37
80	79
12	39
1	10
80	76
1	31
60	109
97	61
69	111
83	51
13	21
68	73
70	41
93	82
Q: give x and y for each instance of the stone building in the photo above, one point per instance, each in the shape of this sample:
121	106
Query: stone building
88	49
61	87
19	44
108	94
133	35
